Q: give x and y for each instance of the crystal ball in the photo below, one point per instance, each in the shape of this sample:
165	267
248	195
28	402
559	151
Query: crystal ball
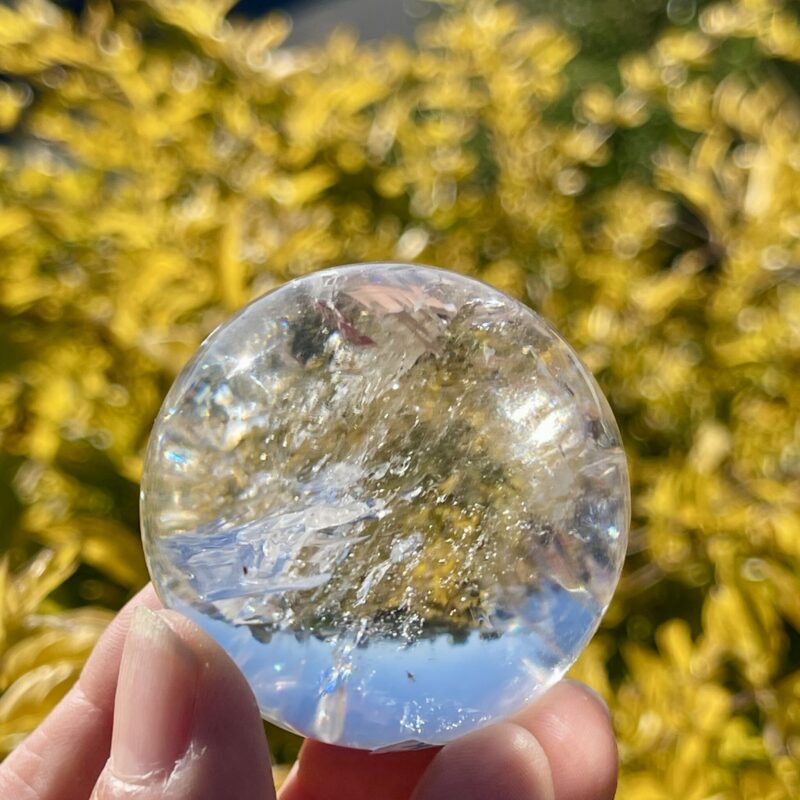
395	496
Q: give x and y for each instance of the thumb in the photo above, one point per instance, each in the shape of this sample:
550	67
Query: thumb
186	725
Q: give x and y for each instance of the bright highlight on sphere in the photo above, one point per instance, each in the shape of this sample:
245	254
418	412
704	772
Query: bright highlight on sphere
395	496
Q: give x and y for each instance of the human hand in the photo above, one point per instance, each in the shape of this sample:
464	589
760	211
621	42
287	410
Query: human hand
160	711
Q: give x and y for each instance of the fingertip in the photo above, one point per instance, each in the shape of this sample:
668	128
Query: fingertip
228	728
98	679
573	726
155	699
186	723
148	597
503	760
587	694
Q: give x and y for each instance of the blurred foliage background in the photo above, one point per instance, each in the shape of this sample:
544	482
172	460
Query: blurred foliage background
630	169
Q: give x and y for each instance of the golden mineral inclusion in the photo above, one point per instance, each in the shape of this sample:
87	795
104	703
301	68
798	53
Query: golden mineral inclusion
395	496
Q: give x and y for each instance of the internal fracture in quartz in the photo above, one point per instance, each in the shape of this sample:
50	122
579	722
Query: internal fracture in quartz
395	496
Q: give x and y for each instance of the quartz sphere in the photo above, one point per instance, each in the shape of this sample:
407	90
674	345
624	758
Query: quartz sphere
395	496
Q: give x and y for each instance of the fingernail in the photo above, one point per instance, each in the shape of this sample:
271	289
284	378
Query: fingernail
593	693
155	699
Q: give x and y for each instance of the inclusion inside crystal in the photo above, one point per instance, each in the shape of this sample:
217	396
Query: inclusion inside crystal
395	496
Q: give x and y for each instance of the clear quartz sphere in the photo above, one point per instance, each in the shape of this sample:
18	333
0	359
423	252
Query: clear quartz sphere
395	496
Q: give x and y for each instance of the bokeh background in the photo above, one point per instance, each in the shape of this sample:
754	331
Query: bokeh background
630	168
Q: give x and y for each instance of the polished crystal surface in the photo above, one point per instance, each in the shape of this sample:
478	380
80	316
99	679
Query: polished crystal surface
395	496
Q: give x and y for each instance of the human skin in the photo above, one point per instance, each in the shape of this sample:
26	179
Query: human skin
160	711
